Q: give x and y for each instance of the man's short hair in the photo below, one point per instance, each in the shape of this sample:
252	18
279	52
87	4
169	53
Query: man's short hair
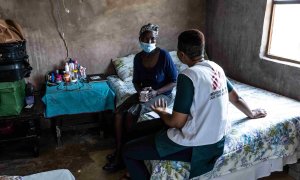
192	43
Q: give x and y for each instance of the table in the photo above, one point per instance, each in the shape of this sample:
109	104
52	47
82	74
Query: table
76	98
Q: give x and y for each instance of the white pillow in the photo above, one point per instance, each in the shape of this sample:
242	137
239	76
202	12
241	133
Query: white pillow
124	67
179	65
123	89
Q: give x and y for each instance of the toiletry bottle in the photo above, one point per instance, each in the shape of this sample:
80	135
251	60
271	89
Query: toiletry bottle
67	69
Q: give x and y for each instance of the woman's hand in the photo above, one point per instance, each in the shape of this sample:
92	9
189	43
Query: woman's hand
153	93
159	106
258	113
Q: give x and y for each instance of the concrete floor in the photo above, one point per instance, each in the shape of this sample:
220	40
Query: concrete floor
83	153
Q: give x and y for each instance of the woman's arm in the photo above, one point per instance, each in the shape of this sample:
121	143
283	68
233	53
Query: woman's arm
182	104
239	103
137	87
171	75
136	75
163	89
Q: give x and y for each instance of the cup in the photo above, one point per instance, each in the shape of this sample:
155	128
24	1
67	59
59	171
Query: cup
144	96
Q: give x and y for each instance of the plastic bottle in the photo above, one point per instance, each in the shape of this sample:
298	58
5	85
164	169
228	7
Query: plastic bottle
71	66
52	77
67	69
75	64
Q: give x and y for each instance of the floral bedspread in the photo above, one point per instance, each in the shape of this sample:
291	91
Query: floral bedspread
249	141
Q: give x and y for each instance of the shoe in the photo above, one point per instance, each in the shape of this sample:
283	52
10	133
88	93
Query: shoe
113	167
111	157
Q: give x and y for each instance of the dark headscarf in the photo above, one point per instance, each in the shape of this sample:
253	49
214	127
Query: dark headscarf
150	27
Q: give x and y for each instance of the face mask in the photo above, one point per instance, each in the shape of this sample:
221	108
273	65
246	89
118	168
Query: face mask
147	47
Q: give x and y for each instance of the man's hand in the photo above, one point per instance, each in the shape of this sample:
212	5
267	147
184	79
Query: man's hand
239	103
174	120
159	106
258	113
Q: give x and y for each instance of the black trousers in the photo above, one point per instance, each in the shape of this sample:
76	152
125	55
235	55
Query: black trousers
144	148
138	130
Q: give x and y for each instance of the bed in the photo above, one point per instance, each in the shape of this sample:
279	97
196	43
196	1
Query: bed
253	148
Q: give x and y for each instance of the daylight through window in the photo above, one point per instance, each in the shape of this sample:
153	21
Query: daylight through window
284	35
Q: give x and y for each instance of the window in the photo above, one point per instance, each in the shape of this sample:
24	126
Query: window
284	34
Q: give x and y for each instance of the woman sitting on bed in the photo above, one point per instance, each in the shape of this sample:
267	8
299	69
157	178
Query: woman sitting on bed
198	123
153	71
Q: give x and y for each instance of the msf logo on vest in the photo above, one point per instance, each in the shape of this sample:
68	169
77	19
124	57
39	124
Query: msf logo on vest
216	85
216	76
